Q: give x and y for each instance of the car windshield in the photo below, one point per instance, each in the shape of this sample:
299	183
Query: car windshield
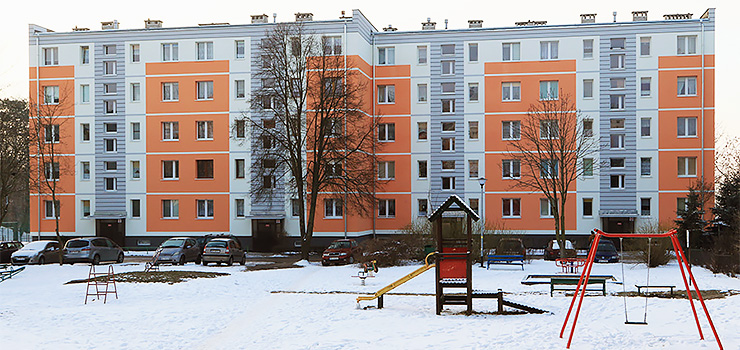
172	243
509	245
606	247
339	245
35	246
216	244
77	243
568	245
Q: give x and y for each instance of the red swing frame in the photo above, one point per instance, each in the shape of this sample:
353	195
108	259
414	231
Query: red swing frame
682	262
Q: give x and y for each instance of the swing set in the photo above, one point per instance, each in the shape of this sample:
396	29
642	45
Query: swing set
682	263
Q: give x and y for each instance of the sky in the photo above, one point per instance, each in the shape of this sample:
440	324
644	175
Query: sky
62	16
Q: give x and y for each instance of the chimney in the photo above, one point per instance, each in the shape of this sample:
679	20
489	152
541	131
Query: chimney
263	18
530	23
343	16
588	18
152	23
303	16
390	29
428	25
475	23
76	29
677	16
213	24
110	25
639	16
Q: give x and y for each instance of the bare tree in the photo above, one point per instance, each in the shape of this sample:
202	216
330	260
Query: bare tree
13	156
309	133
551	153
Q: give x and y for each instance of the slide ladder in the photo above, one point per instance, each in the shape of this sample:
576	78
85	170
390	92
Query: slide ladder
379	294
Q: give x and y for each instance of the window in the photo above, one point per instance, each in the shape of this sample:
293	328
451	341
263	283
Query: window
686	86
239	89
448	144
267	141
387	132
682	204
474	204
51	209
448	106
51	171
110	165
386	170
511	168
616	61
110	127
135	208
616	141
110	183
170	131
423	206
51	95
510	51
85	170
616	43
616	163
109	106
616	123
549	90
110	89
645	46
241	128
51	133
135	131
84	54
645	86
135	53
267	102
645	166
448	67
204	168
268	181
511	130
386	55
548	50
448	165
511	91
205	208
421	54
448	126
85	132
687	127
110	145
588	128
332	45
295	207
109	68
473	130
135	169
204	90
549	169
239	49
448	88
135	92
686	45
616	83
588	88
333	208
422	169
546	208
549	129
616	101
170	91
588	48
473	52
334	168
686	166
386	94
645	206
422	92
616	181
511	207
109	49
84	93
473	168
588	167
422	130
645	127
205	130
170	52
170	169
240	170
295	46
170	208
51	56
448	49
588	207
266	62
239	204
448	183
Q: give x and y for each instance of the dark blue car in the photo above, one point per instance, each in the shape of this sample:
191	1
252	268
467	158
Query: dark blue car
606	253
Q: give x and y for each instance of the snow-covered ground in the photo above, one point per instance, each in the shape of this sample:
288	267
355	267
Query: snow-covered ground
239	311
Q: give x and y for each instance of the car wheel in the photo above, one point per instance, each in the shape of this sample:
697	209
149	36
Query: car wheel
324	263
231	261
197	260
120	258
182	260
42	260
204	263
351	260
218	263
96	259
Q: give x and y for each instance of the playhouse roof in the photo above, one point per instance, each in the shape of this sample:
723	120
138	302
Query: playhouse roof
448	206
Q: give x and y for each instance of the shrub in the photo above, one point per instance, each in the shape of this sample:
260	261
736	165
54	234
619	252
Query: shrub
659	248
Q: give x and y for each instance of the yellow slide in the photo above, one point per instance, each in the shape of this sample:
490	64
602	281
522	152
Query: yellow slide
401	281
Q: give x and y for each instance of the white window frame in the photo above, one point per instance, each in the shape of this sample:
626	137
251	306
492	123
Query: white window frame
422	131
51	94
240	89
549	90
619	144
204	90
170	131
686	86
549	129
616	61
473	130
511	52
644	47
51	133
422	55
616	102
473	168
588	50
170	91
85	208
204	209
511	91
687	123
646	166
135	170
448	105
204	130
386	170
511	204
333	208
387	132
50	209
135	53
204	51
583	207
422	203
511	169
239	44
645	127
448	88
84	93
421	92
546	206
549	169
135	92
174	168
110	142
473	52
136	208
51	56
643	212
110	68
686	45
386	56
334	47
548	50
473	92
620	181
135	131
420	167
85	170
588	167
514	129
240	208
386	208
643	91
170	52
111	184
386	94
588	89
240	168
448	67
448	144
448	183
84	55
685	164
173	206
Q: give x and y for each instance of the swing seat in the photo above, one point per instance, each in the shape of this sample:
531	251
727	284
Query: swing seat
631	322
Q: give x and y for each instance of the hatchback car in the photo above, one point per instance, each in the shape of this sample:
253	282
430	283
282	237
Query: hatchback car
7	249
223	250
92	250
552	251
511	246
341	251
179	250
606	252
39	252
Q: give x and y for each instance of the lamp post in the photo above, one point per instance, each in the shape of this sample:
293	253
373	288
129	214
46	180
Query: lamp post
482	182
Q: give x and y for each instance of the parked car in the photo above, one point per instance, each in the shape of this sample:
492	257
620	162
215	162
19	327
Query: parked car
7	249
179	251
92	250
340	251
202	241
511	246
606	252
552	251
38	252
223	250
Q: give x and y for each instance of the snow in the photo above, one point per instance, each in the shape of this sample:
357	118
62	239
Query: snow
242	310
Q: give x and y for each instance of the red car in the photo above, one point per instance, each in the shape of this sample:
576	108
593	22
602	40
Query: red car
341	251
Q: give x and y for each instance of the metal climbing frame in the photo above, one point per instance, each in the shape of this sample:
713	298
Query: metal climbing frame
102	287
682	263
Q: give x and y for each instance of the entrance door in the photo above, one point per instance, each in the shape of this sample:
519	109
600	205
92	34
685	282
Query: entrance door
265	234
619	225
113	229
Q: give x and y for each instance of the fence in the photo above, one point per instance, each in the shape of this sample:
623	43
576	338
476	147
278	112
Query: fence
8	234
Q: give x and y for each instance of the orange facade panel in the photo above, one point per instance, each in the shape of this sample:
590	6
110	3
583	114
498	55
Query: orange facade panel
66	105
668	129
187	180
176	68
67	214
52	72
399	71
402	217
402	180
402	143
669	81
688	61
527	67
530	90
402	103
187	220
677	173
188	133
494	131
530	218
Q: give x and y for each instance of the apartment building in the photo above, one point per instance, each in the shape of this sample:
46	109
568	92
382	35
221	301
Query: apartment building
154	148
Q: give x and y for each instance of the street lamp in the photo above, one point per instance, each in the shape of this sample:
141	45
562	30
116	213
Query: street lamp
482	182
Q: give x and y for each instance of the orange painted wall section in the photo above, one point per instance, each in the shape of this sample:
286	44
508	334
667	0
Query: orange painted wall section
188	220
668	129
188	171
668	172
402	105
402	144
188	141
67	214
66	98
686	61
198	67
187	102
52	72
396	71
530	90
668	94
530	67
530	212
402	182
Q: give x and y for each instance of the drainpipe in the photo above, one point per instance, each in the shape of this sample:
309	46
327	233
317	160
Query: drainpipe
344	51
375	192
703	123
38	135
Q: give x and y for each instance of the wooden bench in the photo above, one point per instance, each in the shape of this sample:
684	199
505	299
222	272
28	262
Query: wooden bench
645	286
505	259
569	281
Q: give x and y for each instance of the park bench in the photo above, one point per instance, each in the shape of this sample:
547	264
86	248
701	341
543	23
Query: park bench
651	287
569	284
505	259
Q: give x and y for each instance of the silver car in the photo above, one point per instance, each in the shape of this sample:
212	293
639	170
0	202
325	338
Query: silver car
223	250
178	250
92	250
39	252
